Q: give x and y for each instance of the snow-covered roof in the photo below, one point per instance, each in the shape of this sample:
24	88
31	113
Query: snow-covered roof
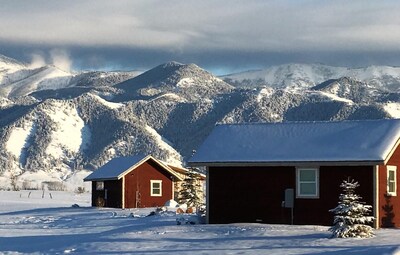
367	141
116	168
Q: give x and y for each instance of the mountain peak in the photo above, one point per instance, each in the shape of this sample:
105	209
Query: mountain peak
10	63
172	64
185	79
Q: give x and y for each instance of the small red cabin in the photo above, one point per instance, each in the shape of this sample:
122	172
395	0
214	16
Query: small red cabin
291	172
134	182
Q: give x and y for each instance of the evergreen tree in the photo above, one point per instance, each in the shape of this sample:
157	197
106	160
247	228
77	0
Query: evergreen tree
350	215
190	193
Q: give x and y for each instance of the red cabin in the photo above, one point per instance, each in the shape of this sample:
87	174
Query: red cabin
134	182
291	172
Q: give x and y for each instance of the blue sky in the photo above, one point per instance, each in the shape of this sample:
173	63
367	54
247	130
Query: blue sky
220	36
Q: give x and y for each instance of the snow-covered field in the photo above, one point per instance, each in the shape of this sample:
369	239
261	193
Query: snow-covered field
51	225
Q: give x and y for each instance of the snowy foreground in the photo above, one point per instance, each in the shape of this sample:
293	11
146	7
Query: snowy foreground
37	225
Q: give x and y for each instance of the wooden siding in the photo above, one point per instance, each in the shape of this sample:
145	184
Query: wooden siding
114	194
330	179
255	194
389	206
139	180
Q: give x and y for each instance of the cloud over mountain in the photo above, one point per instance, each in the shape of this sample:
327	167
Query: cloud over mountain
209	33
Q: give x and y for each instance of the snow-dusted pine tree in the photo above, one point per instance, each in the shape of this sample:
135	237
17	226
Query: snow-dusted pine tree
190	193
351	215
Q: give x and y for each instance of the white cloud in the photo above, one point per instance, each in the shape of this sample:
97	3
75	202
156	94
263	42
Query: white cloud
254	25
37	61
57	57
61	59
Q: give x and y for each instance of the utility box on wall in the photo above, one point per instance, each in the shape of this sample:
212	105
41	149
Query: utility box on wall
289	198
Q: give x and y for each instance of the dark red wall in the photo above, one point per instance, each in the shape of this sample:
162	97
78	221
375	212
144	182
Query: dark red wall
330	179
139	179
255	194
114	194
389	206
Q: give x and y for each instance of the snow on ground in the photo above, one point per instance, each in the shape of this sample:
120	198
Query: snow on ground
170	96
393	109
110	105
264	92
185	82
335	97
5	102
69	181
30	224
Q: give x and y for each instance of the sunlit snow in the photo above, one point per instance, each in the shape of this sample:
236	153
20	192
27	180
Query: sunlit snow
37	222
265	92
336	98
19	139
393	109
72	133
170	96
163	144
107	103
185	82
27	81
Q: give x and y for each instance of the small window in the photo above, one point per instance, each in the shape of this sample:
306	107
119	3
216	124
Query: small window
99	185
307	182
391	180
156	188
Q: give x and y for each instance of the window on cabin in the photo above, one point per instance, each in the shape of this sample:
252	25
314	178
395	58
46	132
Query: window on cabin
391	180
99	185
156	188
307	182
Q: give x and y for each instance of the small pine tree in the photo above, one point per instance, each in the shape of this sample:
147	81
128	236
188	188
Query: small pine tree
350	215
190	190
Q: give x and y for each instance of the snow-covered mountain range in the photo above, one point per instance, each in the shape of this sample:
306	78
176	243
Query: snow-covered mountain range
19	79
54	124
300	76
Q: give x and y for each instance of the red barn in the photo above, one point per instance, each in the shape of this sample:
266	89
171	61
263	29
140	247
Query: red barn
133	182
291	172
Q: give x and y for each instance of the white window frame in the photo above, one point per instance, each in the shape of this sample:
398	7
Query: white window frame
394	170
299	182
152	182
99	185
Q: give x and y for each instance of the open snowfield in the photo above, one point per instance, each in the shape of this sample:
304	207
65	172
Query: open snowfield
37	225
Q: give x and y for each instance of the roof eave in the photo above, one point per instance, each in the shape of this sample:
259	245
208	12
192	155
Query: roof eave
391	151
100	179
290	163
